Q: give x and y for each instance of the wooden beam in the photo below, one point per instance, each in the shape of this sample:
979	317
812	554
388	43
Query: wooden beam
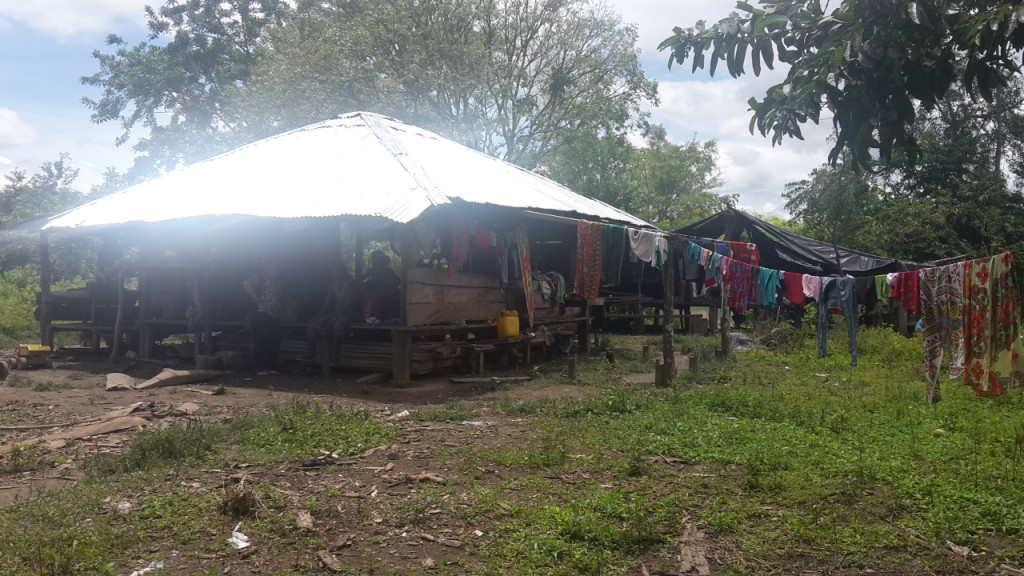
667	345
45	301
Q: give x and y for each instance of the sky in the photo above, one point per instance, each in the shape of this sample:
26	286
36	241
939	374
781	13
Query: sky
46	47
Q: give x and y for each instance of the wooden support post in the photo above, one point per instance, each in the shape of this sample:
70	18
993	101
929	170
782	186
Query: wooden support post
572	367
724	322
659	373
901	318
45	300
115	346
205	311
668	274
401	356
359	255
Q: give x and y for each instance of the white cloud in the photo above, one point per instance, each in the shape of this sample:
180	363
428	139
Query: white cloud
65	19
751	166
692	106
15	132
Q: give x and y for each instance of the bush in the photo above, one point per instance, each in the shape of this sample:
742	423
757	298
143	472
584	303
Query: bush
17	307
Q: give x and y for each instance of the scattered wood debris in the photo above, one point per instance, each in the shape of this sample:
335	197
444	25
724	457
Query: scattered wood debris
329	561
169	377
692	552
304	520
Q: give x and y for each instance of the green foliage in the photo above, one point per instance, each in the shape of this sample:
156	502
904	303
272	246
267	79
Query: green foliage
507	78
299	430
21	459
669	184
174	85
832	204
675	183
171	447
17	308
46	192
47	536
844	63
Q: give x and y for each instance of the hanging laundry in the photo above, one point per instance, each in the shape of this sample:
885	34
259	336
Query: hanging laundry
589	258
739	277
942	308
812	286
649	246
460	247
723	248
866	293
705	258
883	289
992	360
837	293
523	243
714	268
484	237
907	289
691	262
614	249
501	261
769	283
794	285
746	252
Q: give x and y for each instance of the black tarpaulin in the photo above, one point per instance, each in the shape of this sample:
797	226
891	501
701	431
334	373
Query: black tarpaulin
784	250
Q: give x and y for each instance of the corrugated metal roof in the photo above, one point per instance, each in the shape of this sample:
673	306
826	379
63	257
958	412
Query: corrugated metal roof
359	164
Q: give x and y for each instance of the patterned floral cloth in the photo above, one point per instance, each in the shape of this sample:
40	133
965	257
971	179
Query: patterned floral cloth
992	362
523	242
739	277
942	300
589	258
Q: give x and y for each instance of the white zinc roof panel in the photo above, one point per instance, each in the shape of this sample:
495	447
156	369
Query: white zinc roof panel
359	164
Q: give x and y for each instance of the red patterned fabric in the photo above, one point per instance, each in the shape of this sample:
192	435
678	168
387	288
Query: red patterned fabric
992	361
907	289
589	258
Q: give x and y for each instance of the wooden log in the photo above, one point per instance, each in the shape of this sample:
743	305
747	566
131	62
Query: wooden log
492	380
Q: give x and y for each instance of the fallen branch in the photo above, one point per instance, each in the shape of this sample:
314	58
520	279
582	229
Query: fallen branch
692	548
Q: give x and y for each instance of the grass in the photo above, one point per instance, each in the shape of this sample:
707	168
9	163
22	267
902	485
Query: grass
788	462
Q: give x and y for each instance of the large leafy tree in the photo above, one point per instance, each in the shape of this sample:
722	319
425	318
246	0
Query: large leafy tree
665	183
870	65
507	77
832	203
597	165
174	85
25	197
957	199
46	192
675	182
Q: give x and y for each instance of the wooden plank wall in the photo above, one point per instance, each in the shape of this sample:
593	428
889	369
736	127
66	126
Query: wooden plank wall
434	297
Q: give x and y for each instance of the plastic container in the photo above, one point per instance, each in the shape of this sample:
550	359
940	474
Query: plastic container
508	323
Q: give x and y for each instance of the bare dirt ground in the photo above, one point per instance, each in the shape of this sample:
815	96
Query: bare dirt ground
372	513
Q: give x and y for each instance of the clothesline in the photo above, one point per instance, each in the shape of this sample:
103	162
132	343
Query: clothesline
984	351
